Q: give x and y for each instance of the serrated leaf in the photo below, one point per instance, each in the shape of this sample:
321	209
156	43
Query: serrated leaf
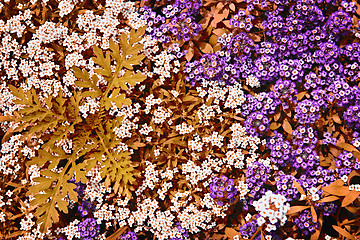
84	75
17	92
69	188
134	79
62	204
133	60
39	199
115	51
49	173
124	43
44	156
82	84
104	62
91	94
43	183
135	49
121	100
136	36
51	215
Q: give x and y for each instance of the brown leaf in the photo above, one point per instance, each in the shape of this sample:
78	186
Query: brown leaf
206	47
349	198
7	135
219	31
300	95
217	47
287	126
231	233
189	54
354	172
277	116
354	210
227	23
117	233
299	188
343	232
313	213
7	118
315	235
232	7
329	199
254	37
295	209
213	40
334	151
336	190
348	147
275	125
336	119
217	18
356	154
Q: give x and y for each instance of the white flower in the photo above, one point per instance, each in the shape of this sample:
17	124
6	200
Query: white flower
248	217
260	221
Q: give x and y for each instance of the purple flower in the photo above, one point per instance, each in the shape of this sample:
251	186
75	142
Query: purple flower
88	228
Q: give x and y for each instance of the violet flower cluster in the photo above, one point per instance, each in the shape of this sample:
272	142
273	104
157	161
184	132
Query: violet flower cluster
223	189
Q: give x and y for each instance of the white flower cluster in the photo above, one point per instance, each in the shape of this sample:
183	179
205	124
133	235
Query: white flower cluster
195	173
215	139
162	191
28	223
90	106
235	158
9	155
160	115
355	187
150	101
196	144
145	130
314	196
252	81
71	230
184	128
66	6
151	178
206	112
243	189
272	207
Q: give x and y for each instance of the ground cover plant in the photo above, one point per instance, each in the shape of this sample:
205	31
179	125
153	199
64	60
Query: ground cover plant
180	119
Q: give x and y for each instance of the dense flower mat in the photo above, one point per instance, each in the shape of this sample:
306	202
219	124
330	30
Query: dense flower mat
180	119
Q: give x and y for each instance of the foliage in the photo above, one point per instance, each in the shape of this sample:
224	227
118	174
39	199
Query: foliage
58	118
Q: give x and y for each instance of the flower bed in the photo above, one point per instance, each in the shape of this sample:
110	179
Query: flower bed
181	119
